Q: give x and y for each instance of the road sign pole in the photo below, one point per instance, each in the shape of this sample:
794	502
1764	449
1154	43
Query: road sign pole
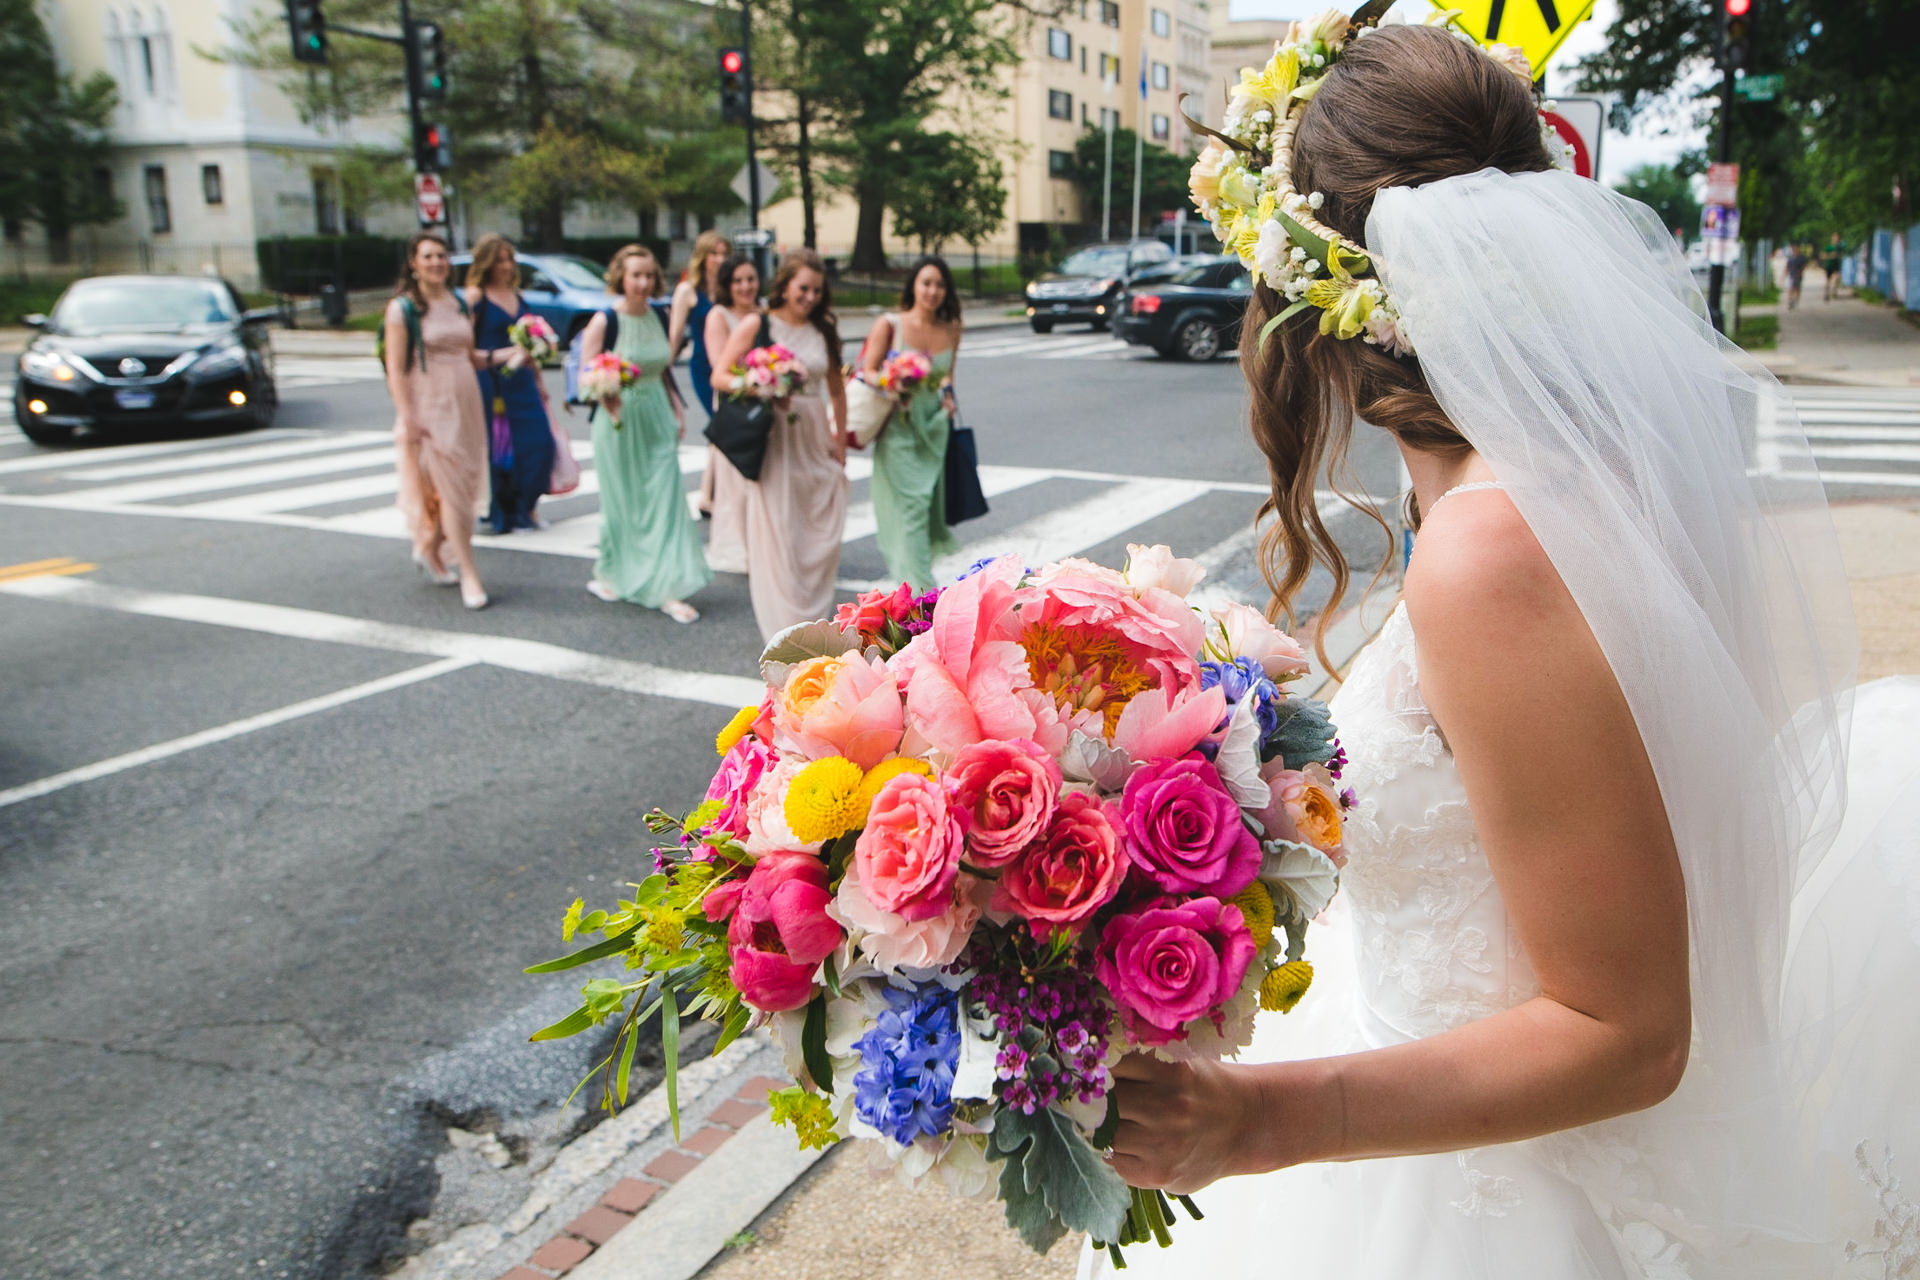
753	170
1723	149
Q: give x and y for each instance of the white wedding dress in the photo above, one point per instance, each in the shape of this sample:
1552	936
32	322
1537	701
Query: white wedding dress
1418	942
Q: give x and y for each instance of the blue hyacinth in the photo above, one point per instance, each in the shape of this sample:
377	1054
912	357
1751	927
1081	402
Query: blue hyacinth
904	1087
1244	678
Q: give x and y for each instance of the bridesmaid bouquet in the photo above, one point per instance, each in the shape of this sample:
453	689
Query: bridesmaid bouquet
904	372
535	337
971	847
772	372
605	377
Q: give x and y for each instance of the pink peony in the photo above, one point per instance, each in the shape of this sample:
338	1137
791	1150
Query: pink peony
1157	625
1183	831
1004	793
781	931
1070	873
1159	724
893	942
1249	635
739	773
843	706
909	854
1170	963
767	828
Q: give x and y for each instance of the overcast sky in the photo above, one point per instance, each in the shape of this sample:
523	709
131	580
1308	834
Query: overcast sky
1651	142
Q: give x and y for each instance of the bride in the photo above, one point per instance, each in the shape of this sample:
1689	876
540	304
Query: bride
1612	999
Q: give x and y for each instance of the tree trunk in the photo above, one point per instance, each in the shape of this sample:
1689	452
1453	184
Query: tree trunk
869	247
803	161
550	215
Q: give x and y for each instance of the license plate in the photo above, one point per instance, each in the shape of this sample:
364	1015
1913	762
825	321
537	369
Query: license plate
133	399
1060	306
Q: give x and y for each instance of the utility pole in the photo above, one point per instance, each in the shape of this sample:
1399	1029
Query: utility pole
736	107
1139	140
1107	114
1734	45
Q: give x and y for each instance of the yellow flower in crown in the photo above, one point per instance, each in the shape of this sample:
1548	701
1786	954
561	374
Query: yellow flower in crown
1244	233
1270	85
1345	301
824	800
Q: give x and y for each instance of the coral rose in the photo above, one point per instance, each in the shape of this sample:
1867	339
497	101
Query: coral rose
780	931
1304	808
909	853
1004	793
1070	873
847	705
1183	831
1172	962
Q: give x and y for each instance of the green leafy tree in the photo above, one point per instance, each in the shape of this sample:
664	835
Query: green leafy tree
949	188
1666	190
1162	190
53	135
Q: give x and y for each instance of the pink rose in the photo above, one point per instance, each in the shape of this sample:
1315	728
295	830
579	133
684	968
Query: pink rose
1156	567
781	931
1070	873
870	612
909	854
739	773
1249	635
1183	831
1170	963
848	706
767	829
1004	792
894	942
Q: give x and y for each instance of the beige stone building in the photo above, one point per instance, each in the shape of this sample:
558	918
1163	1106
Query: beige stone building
1236	45
1079	69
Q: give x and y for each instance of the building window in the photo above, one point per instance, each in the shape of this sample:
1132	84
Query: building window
1059	104
103	186
649	223
1109	67
326	205
1162	127
1162	23
1109	13
159	213
1161	76
676	224
1059	164
210	186
1059	44
1109	119
1083	59
1083	113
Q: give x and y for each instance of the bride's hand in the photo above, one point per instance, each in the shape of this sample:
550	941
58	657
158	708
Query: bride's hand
1182	1124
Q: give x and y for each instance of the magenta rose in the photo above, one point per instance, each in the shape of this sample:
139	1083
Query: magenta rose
781	931
1183	831
1070	872
733	783
1005	791
909	853
1171	963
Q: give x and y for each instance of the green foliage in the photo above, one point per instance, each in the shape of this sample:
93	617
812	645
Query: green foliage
1757	333
949	188
53	133
1665	189
809	1115
300	264
1163	189
1054	1182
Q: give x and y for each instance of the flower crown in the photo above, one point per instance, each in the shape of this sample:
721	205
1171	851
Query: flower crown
1242	182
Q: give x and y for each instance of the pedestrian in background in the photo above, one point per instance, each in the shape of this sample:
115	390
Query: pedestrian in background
510	383
738	299
1797	256
1830	265
694	298
440	425
797	510
910	455
649	548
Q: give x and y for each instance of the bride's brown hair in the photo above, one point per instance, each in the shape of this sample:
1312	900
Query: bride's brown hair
1403	106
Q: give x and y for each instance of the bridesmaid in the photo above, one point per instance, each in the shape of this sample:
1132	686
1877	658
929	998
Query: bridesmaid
694	298
649	548
738	299
797	512
508	375
910	457
440	426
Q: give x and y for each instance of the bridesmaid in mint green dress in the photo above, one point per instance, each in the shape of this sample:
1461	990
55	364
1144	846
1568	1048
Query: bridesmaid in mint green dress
649	549
910	456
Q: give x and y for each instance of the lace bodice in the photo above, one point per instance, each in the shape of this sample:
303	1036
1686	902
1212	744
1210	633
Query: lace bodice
1436	949
806	342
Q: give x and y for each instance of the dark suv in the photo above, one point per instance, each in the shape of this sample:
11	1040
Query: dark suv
1088	284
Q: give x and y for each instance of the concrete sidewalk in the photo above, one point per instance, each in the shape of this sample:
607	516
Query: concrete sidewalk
1845	342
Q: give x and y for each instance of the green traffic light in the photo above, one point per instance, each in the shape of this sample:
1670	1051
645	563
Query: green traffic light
314	42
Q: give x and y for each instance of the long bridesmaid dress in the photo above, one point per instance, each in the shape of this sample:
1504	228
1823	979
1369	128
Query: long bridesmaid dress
443	476
909	483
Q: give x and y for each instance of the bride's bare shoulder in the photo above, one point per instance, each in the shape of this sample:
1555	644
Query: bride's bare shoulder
1478	575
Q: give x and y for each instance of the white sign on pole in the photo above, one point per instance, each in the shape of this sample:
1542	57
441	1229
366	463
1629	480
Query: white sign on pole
1723	184
743	180
1582	123
429	198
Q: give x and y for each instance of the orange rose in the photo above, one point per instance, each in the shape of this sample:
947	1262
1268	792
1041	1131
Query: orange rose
807	683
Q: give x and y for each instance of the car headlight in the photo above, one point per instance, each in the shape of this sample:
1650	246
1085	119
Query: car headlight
46	364
220	361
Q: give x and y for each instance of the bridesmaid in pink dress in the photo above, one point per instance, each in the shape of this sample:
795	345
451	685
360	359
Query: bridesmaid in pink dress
440	426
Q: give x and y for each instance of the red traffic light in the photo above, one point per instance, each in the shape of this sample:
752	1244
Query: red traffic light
731	61
433	135
1738	8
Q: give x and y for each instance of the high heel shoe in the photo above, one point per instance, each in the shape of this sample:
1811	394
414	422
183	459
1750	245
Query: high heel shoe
444	578
475	599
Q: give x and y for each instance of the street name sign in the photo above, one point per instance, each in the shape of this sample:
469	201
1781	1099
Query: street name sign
429	198
753	237
742	182
1758	88
1536	27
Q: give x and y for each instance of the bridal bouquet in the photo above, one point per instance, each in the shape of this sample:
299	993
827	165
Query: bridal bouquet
771	372
534	336
972	846
904	372
605	377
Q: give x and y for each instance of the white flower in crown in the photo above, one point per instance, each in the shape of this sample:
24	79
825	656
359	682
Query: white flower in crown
1273	255
1513	59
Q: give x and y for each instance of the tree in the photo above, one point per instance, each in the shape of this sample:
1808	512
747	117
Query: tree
1666	189
949	188
1164	189
53	135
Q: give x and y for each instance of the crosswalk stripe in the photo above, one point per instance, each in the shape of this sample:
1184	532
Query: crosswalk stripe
76	457
1077	526
1869	452
1886	478
1100	346
228	457
239	477
994	481
275	501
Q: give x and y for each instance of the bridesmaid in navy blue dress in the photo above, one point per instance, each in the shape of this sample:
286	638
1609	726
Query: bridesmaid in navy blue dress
510	378
693	298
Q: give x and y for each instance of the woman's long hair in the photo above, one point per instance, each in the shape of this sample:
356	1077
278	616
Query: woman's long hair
408	285
949	309
487	251
822	318
703	246
1403	107
728	270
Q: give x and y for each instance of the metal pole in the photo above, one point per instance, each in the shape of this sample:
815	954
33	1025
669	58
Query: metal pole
753	170
1717	272
1106	194
1139	138
413	80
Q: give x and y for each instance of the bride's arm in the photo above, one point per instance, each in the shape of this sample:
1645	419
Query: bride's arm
1570	817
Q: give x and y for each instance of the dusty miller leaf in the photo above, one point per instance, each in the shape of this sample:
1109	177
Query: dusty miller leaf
1055	1161
1305	735
799	642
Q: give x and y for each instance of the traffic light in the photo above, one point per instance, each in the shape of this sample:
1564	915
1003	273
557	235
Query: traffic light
1736	17
433	149
308	26
736	87
427	52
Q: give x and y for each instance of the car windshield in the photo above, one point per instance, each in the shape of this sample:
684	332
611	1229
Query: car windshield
1095	262
100	306
573	273
1202	274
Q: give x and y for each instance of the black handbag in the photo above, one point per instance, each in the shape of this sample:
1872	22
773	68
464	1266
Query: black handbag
966	500
739	427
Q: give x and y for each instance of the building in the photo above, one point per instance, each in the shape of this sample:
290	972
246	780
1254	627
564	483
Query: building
1079	70
1236	45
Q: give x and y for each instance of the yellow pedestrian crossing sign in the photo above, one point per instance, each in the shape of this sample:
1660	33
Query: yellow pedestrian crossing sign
1536	27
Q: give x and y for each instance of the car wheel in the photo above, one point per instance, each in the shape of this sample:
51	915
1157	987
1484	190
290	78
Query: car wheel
1197	339
1043	326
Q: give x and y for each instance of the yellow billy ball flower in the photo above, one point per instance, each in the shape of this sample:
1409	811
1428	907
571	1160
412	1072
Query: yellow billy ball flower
886	771
736	729
825	801
1256	908
1282	989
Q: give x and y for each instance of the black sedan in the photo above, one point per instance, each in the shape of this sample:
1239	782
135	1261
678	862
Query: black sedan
1087	286
1193	314
131	352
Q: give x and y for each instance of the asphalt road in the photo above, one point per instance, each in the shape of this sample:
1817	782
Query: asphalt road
247	977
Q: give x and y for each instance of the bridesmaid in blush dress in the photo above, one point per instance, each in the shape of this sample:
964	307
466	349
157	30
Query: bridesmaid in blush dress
440	426
797	510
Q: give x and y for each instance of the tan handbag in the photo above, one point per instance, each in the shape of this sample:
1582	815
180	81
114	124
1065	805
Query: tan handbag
867	412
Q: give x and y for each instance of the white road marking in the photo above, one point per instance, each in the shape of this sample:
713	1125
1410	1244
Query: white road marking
233	729
114	453
140	491
229	457
1077	526
994	481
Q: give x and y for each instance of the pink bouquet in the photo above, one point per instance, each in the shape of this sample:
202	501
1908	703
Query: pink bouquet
904	372
534	336
972	846
771	372
605	377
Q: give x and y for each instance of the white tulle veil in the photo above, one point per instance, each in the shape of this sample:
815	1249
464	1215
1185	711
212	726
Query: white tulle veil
1671	484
